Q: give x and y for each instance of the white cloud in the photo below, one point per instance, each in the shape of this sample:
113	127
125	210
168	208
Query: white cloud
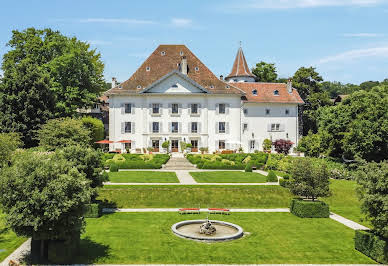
356	54
181	22
287	4
116	21
366	35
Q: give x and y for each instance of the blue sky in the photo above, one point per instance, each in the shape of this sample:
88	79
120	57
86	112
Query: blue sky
346	40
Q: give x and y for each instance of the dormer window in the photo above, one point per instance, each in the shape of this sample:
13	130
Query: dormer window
276	92
211	87
174	86
148	68
254	92
227	86
138	87
196	68
181	53
163	53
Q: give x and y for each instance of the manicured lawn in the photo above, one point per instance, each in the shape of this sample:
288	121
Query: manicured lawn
140	238
344	201
8	239
143	177
228	177
194	196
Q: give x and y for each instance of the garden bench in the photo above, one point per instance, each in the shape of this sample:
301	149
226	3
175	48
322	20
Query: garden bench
219	211
189	210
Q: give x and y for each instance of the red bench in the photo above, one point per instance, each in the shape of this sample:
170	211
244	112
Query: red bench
189	210
219	211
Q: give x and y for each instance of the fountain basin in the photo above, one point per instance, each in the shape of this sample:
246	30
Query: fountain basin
190	230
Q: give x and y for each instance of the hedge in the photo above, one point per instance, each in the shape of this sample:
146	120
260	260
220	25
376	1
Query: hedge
113	167
92	210
371	245
309	209
272	177
248	168
137	161
284	182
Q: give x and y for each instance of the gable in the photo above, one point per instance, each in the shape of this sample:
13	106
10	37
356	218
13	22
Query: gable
175	83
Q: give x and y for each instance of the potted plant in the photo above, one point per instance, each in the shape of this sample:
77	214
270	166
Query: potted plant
240	150
183	146
203	150
267	145
188	147
166	145
150	150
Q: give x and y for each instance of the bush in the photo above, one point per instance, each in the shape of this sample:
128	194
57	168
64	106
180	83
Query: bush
248	168
92	210
371	245
282	145
273	161
267	144
9	142
113	167
283	182
309	209
96	128
138	161
272	177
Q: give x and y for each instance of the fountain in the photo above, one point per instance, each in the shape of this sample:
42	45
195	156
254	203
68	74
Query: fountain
206	230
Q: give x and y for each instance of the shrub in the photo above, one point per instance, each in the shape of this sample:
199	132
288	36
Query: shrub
282	145
203	149
310	179
309	209
373	193
273	161
248	168
284	182
247	159
95	126
267	144
166	145
272	177
9	142
113	167
371	245
92	210
311	145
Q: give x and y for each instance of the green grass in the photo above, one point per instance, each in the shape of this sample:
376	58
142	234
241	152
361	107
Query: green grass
143	177
344	201
228	177
140	238
193	196
8	239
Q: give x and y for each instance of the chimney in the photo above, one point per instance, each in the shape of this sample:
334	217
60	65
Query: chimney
114	82
289	85
221	77
184	65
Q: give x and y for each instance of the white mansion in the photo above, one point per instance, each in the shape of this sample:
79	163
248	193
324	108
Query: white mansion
174	96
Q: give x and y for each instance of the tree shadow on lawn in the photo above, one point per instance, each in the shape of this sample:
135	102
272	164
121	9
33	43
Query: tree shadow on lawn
107	204
91	251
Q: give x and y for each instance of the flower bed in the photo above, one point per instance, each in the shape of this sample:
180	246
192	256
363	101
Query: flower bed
135	161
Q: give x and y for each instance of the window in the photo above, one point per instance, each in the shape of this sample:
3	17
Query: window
174	108
267	111
275	127
155	127
148	68
174	86
127	146
221	108
155	108
181	53
252	144
194	144
163	53
227	86
174	127
245	126
221	144
196	68
254	92
155	144
287	112
128	127
245	111
194	108
211	87
276	92
194	127
221	127
128	108
138	87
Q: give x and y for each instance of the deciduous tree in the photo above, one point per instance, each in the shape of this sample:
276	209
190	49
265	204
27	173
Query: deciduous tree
265	72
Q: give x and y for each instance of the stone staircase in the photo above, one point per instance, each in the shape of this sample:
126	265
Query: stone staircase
177	163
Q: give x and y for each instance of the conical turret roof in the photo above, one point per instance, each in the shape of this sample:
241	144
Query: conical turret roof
240	66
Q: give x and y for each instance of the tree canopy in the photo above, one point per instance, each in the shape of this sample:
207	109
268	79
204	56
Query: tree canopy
9	142
46	75
265	72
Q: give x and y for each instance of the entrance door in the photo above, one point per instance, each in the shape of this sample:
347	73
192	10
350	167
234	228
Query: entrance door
194	145
174	145
155	145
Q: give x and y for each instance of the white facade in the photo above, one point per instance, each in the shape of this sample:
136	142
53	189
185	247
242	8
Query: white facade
219	122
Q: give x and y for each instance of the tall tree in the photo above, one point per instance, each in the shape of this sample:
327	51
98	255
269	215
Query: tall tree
265	72
46	75
308	83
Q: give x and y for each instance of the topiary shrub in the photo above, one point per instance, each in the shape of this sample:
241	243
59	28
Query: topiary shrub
371	245
248	168
92	210
309	209
114	167
272	177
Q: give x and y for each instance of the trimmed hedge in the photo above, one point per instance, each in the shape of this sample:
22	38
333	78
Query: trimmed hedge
248	168
137	161
113	167
309	209
272	177
284	182
92	210
371	245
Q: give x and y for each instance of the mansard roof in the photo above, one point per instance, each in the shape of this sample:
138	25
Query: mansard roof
240	67
265	93
166	59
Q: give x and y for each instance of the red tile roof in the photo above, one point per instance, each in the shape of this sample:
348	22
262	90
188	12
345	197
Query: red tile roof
165	59
240	67
265	93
